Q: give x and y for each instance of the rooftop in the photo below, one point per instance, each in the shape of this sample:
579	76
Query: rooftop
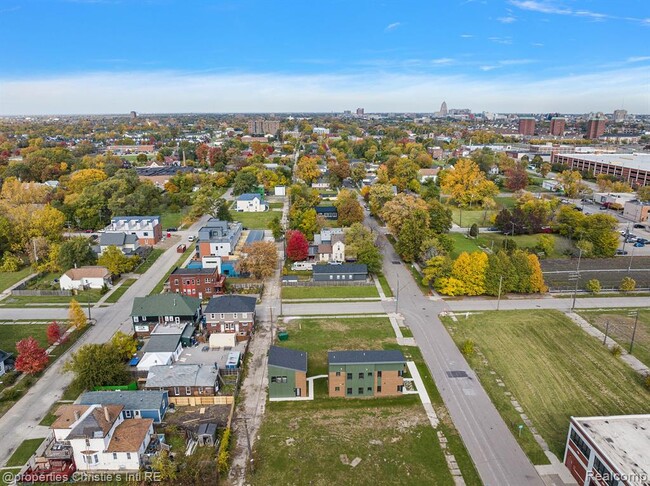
623	439
249	196
113	238
162	343
358	357
165	305
231	303
254	235
181	375
131	400
92	271
195	271
632	161
288	358
342	268
98	419
129	435
65	415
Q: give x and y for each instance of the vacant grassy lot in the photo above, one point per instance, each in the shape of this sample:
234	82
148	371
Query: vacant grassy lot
10	334
255	220
151	258
83	297
7	279
621	325
466	218
119	292
329	292
391	436
494	241
181	259
172	219
553	369
24	451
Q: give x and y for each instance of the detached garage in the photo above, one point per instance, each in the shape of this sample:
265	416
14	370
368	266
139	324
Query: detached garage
224	340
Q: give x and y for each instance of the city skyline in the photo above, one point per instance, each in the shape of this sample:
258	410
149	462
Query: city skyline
525	56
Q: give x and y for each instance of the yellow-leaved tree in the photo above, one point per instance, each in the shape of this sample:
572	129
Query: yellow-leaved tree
76	315
536	277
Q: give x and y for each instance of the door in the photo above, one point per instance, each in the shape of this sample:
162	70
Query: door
298	392
136	413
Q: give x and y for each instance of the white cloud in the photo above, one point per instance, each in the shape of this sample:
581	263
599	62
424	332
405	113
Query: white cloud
507	20
392	26
501	40
546	7
165	92
466	36
638	59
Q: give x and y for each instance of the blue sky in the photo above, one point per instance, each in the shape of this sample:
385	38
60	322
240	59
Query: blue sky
108	56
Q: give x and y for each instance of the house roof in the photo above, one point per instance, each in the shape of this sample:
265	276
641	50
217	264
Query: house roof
288	358
358	357
426	172
254	235
4	356
129	435
117	238
195	271
325	248
131	400
231	303
249	197
162	343
169	304
325	209
342	268
65	415
181	375
96	421
93	271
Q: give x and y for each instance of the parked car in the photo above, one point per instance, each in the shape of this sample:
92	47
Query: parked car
642	240
171	229
639	245
638	225
191	238
621	252
603	208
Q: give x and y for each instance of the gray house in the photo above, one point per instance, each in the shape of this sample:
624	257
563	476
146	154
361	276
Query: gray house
137	403
127	243
230	313
345	272
218	238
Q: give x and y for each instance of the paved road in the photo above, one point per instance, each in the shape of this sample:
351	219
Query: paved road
548	303
336	308
21	421
494	450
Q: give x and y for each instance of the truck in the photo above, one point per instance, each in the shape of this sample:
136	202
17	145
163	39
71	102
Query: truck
181	248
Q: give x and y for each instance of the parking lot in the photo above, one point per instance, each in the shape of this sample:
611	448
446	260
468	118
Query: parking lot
202	354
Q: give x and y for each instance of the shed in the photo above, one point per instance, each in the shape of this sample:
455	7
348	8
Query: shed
207	434
187	337
222	340
232	363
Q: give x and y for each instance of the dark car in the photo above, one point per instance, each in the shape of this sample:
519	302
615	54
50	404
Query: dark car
642	240
638	244
641	226
603	208
171	229
621	252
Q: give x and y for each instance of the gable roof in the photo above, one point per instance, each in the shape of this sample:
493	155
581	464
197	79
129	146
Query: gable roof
4	356
92	271
129	435
288	358
342	268
169	304
95	421
131	400
162	343
163	376
116	238
231	303
65	415
358	357
249	196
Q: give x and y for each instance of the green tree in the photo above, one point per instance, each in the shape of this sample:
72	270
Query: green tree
97	365
593	286
307	169
244	182
411	236
369	254
628	284
466	184
76	252
164	466
275	226
379	195
440	220
117	262
546	244
124	344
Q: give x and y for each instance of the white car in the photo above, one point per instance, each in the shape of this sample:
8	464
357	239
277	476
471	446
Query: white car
191	238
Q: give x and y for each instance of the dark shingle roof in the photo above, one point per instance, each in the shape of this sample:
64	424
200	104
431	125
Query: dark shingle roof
132	400
194	271
254	235
249	196
325	209
357	357
288	358
116	239
4	355
162	343
165	305
343	268
230	303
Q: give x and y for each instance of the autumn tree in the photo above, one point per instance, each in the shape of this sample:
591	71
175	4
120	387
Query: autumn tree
125	345
440	220
76	252
117	262
378	196
402	207
516	178
260	259
297	246
466	184
544	169
76	316
628	284
643	193
307	169
83	178
53	332
571	182
348	208
411	236
31	358
97	365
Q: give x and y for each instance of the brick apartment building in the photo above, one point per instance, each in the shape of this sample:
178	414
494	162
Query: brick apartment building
197	282
527	126
558	124
595	127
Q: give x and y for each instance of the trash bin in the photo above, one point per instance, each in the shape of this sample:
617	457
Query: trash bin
283	336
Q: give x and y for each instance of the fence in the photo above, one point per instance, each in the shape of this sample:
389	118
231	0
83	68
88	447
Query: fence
196	401
41	293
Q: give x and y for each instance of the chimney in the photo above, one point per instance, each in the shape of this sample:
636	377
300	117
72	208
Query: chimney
106	414
76	415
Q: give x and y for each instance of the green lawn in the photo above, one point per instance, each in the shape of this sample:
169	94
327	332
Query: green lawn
170	219
494	241
83	297
341	292
5	479
23	452
621	326
10	334
7	279
466	218
255	220
507	202
181	259
384	285
119	292
391	436
151	258
553	368
276	205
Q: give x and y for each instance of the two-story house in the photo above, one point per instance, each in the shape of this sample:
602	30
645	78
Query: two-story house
361	374
251	203
218	238
101	438
148	312
230	314
287	372
151	404
127	243
147	228
197	282
186	384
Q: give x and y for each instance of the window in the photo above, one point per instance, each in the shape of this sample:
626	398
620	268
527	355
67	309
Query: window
609	478
115	455
338	277
127	413
349	376
176	391
338	373
90	458
361	375
188	390
128	455
176	281
360	390
400	388
350	277
379	389
369	374
337	388
244	315
222	316
331	277
369	389
200	390
400	372
234	315
284	379
580	444
379	374
136	319
273	379
349	391
212	316
87	442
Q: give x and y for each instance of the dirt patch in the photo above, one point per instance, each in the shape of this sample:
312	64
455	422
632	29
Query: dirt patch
189	418
336	326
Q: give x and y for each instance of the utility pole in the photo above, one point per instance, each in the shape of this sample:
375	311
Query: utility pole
397	295
248	443
629	267
636	320
499	298
606	332
88	300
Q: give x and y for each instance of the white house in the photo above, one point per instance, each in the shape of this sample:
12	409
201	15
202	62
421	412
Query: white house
251	203
101	439
334	251
127	243
91	277
161	349
428	174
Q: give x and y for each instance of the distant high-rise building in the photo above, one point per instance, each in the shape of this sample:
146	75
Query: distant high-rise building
619	116
443	109
262	127
527	126
557	126
596	126
361	111
134	115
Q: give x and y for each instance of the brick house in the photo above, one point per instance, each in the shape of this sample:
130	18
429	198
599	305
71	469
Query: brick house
197	282
287	370
230	314
358	374
148	312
